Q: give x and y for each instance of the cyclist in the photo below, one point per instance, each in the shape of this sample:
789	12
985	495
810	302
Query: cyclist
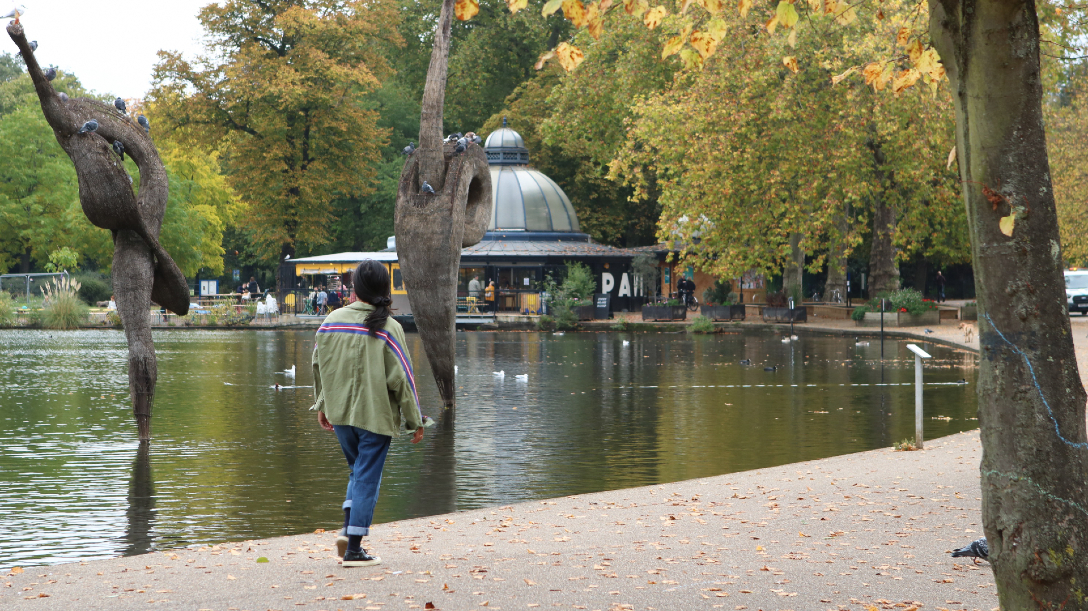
686	288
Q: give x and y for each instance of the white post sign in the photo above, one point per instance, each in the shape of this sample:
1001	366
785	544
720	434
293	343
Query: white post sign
919	354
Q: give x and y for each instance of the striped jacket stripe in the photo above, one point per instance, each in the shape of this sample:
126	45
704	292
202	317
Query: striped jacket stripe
357	329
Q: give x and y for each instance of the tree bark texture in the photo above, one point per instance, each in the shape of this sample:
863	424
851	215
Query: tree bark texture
883	272
836	266
432	229
1031	401
793	274
142	269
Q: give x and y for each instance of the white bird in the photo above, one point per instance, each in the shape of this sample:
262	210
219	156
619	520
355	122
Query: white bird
16	12
785	340
499	374
290	372
793	337
522	377
558	333
455	369
286	257
857	342
626	343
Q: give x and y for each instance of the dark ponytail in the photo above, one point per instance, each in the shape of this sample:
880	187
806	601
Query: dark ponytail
371	280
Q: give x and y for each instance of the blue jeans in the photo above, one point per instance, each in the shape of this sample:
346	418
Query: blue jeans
365	453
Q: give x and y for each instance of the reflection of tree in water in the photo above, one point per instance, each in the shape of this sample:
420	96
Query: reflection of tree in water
438	478
141	504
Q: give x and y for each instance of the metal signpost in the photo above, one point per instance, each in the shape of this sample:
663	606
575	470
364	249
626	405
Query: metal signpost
919	354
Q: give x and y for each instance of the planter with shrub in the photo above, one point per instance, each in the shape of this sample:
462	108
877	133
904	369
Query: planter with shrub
671	310
969	311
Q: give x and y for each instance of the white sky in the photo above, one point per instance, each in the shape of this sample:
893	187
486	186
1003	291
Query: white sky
110	45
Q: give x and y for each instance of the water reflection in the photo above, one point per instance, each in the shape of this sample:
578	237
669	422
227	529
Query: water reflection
234	457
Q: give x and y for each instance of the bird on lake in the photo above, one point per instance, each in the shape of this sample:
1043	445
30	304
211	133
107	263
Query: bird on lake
119	104
962	381
16	13
63	96
785	340
89	126
144	123
746	362
119	149
499	374
794	337
408	150
290	372
426	188
858	342
558	333
50	74
976	549
771	368
522	377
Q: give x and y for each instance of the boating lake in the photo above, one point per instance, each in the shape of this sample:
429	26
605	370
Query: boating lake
234	458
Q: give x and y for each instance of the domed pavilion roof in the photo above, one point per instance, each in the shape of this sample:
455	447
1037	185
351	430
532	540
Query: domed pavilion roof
524	199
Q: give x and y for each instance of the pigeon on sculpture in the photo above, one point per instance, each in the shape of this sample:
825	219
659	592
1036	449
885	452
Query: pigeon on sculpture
426	188
89	126
142	120
119	149
460	148
63	96
454	137
50	74
976	549
119	104
33	46
477	139
408	150
16	12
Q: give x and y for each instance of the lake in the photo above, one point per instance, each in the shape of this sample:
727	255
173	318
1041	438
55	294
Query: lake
234	458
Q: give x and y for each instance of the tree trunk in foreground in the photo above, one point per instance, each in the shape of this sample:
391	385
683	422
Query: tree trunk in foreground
433	228
836	265
1031	402
883	272
142	269
793	273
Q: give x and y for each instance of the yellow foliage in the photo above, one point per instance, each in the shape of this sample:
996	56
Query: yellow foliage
550	7
790	62
835	80
516	5
914	51
717	29
674	44
786	13
744	6
690	59
466	9
654	16
636	7
569	56
575	11
902	37
704	43
905	79
595	20
772	24
1007	224
712	6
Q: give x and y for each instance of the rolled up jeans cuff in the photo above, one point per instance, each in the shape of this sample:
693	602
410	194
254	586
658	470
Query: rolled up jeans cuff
358	530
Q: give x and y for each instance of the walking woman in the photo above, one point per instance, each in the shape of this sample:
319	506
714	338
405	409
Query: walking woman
364	385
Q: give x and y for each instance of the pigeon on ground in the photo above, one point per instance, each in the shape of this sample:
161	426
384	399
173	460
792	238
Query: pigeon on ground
119	149
928	331
976	549
426	188
144	123
119	104
63	96
16	12
408	150
89	126
746	362
50	74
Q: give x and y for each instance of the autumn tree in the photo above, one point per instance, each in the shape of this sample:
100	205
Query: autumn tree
285	84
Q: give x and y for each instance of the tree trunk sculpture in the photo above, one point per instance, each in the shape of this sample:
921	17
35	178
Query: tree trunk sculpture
1030	398
433	228
142	269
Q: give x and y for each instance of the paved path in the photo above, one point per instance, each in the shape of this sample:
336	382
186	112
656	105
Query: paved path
859	531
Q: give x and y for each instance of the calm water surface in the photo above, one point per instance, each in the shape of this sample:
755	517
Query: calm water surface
234	458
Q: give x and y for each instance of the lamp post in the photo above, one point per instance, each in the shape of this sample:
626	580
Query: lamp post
919	354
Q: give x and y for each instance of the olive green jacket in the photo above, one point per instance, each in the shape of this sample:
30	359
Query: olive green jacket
363	377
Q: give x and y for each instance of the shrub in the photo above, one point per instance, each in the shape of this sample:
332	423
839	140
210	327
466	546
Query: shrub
911	301
579	283
646	267
7	310
776	300
113	319
907	445
621	324
64	309
93	288
701	324
545	323
859	313
719	293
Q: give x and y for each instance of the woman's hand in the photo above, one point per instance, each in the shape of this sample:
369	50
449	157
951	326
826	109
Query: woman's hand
418	437
324	422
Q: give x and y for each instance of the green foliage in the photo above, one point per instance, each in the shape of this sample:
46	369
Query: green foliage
646	266
909	300
719	293
63	259
620	324
63	308
113	319
93	287
701	324
7	310
579	283
545	323
907	445
859	313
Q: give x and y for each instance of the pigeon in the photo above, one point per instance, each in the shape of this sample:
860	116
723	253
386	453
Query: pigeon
976	549
928	331
119	104
472	137
460	148
477	139
426	188
746	362
408	150
63	96
50	74
771	368
16	12
119	149
89	126
144	123
33	46
454	137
